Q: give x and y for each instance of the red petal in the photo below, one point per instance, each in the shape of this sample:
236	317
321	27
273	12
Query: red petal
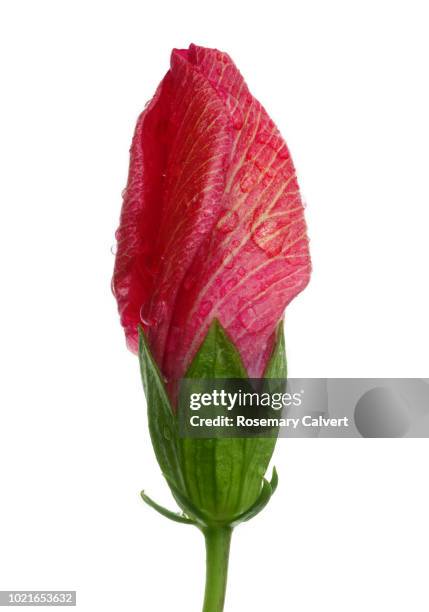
212	223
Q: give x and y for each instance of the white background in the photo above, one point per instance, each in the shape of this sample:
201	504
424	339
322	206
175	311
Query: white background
346	82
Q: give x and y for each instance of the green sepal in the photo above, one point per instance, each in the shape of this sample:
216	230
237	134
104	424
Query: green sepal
198	516
217	357
163	425
277	365
268	489
224	476
173	516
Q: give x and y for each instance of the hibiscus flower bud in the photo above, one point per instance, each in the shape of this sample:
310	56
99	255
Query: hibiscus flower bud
211	248
212	223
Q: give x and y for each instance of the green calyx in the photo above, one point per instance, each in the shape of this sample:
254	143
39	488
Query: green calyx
216	482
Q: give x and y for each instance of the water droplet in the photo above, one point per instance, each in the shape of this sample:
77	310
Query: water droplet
144	317
283	153
237	124
205	308
114	249
207	212
227	260
247	183
265	236
294	260
263	137
234	108
229	285
229	222
247	317
152	315
276	142
249	177
167	433
237	119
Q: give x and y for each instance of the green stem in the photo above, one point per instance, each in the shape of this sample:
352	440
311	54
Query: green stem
218	540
